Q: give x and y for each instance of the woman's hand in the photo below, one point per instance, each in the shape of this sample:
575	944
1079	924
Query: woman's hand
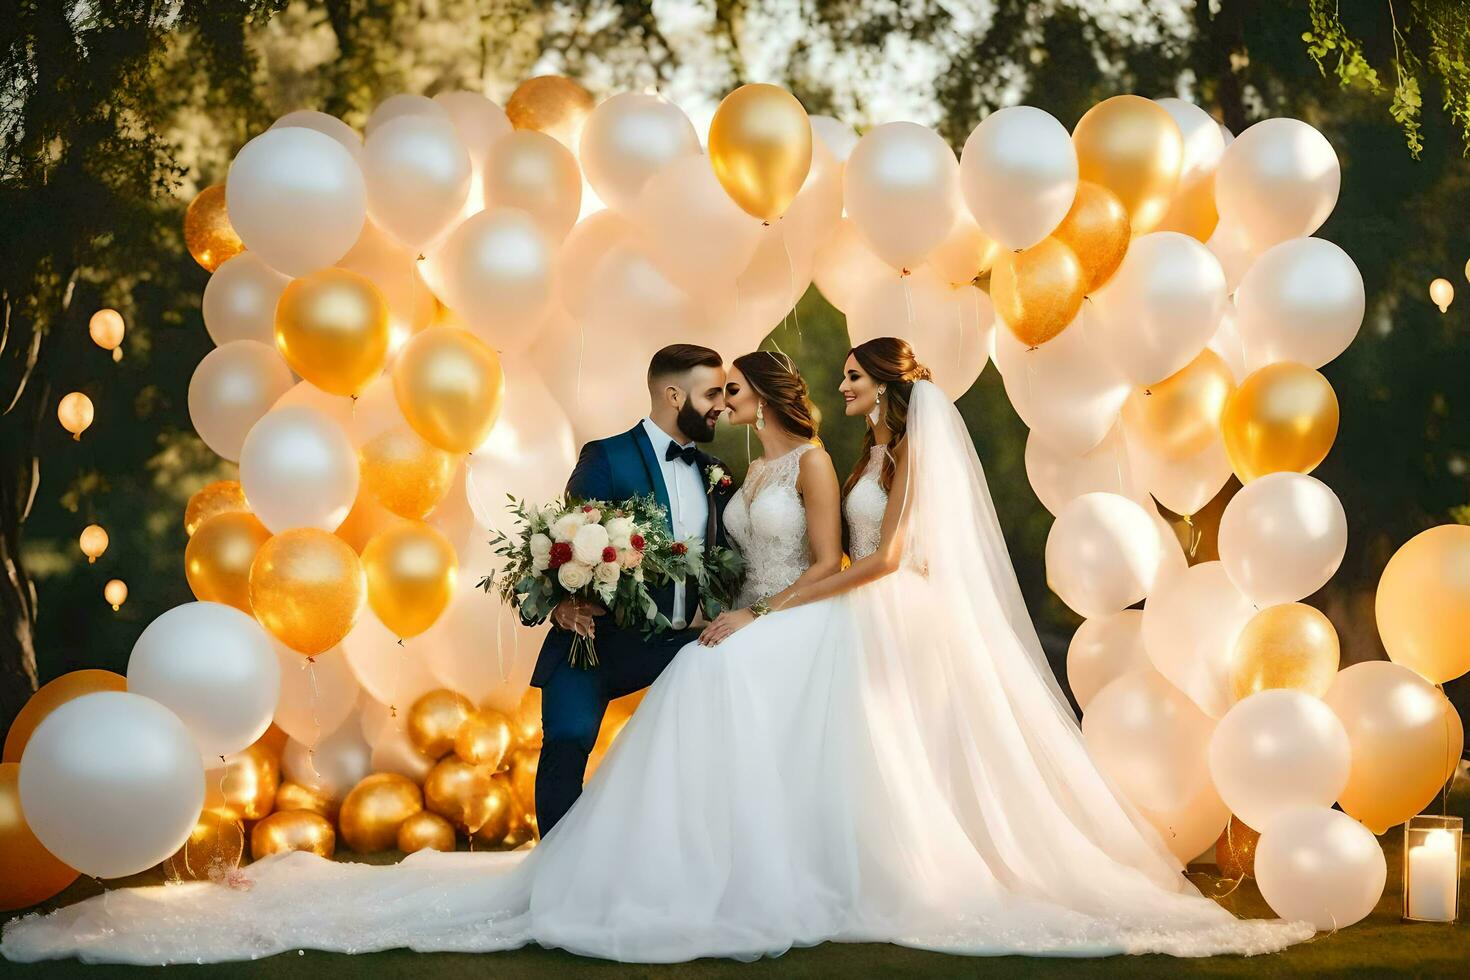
725	624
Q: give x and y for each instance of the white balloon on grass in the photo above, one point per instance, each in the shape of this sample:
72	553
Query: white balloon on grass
535	173
692	228
1301	301
1149	739
1282	537
837	136
240	300
298	469
1279	179
1190	625
845	266
627	139
111	783
478	120
495	272
327	125
233	387
1102	554
1067	391
334	764
901	188
1057	476
1192	829
1319	865
1102	650
317	693
1019	174
296	198
418	176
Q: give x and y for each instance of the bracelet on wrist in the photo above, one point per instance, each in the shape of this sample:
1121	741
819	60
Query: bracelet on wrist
760	607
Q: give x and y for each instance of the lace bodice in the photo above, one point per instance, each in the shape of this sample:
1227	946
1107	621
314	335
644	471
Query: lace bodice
767	521
864	508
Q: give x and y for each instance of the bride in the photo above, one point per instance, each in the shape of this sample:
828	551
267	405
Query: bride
876	753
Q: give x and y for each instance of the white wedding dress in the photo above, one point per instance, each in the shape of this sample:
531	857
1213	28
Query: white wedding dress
896	764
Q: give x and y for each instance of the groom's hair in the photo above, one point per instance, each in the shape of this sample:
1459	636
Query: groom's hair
680	359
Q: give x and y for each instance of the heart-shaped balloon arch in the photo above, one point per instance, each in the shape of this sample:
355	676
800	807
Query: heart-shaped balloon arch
461	312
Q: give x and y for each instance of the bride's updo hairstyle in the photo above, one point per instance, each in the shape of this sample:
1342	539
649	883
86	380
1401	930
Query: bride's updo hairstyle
781	387
890	362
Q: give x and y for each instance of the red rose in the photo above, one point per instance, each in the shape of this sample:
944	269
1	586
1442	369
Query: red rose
724	481
609	553
637	542
561	553
587	508
680	548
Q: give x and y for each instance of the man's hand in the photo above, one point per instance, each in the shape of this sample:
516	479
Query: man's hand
577	616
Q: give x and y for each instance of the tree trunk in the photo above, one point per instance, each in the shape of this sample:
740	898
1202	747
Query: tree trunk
19	475
1220	59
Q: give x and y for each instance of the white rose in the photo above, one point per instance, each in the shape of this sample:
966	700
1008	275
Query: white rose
620	532
565	528
607	573
547	514
592	515
540	563
540	545
574	575
588	543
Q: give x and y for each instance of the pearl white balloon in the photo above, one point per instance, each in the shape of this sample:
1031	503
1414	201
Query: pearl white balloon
1204	143
846	267
389	673
629	138
1227	344
1191	830
528	454
296	198
812	217
1190	625
496	274
418	176
111	783
901	186
595	375
1161	307
837	136
535	173
298	469
240	300
1102	650
1279	179
1102	554
586	245
1148	739
1301	301
1319	865
691	227
776	278
394	270
325	124
1066	390
1282	537
1182	485
1019	174
404	104
1278	749
478	120
948	326
233	387
1057	476
211	665
1233	251
333	765
338	408
317	693
375	718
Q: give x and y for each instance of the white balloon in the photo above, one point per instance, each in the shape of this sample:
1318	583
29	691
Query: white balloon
496	274
629	138
812	217
394	751
1190	831
537	174
298	469
404	104
691	227
374	412
1182	485
394	271
418	176
338	408
1066	390
1148	739
317	693
296	198
375	718
901	185
1275	750
1279	179
1204	143
1019	174
111	783
240	300
325	124
333	765
846	267
948	326
233	387
1057	476
478	120
528	454
456	520
1102	650
776	278
586	245
1320	865
1301	301
837	136
1161	307
1233	251
392	673
595	376
1190	625
1282	537
1102	554
1226	343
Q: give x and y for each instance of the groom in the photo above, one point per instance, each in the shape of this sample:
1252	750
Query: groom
659	456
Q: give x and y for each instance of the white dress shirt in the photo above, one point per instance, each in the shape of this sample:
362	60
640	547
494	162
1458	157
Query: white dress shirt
688	505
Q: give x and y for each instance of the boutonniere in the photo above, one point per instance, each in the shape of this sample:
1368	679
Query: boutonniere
716	478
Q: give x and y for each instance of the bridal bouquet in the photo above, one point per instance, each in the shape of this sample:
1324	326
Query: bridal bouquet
608	553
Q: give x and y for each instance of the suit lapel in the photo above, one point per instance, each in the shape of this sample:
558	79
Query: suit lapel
655	472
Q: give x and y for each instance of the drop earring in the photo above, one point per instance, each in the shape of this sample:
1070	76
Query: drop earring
877	411
760	416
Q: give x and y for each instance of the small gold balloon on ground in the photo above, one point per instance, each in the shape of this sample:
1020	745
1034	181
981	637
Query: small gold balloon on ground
484	739
522	764
75	413
375	809
1096	229
106	328
1038	291
449	385
307	588
93	542
411	570
1423	603
500	808
115	593
458	792
51	696
208	234
760	146
28	872
294	796
247	784
213	852
435	720
219	497
1179	417
1290	645
551	104
1282	418
525	722
1133	147
218	557
404	473
1235	851
332	328
425	831
293	830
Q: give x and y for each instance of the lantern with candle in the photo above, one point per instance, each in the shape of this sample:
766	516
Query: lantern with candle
1432	848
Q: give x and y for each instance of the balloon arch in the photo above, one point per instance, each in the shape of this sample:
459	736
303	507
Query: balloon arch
467	292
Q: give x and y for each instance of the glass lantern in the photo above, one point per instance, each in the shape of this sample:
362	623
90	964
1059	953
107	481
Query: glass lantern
1432	847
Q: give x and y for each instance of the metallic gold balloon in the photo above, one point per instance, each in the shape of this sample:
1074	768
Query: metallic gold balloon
484	739
522	765
294	796
213	851
525	722
1193	211
365	520
1283	417
332	328
435	719
411	570
218	557
1235	851
106	328
1423	604
293	830
93	542
1179	417
75	412
500	808
425	831
307	587
1038	290
458	792
274	740
449	384
1097	231
51	696
404	473
219	497
247	784
1133	147
208	234
523	827
375	809
1454	739
115	593
1290	645
551	104
760	146
28	872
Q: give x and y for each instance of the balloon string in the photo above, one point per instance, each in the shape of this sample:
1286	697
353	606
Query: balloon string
1444	794
581	354
791	286
908	302
316	722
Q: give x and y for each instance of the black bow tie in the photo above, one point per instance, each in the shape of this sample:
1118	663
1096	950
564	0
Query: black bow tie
687	453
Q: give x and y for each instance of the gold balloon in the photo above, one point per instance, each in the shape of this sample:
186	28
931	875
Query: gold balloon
484	739
294	796
293	830
75	412
425	831
458	791
1133	147
1454	740
523	827
551	104
1097	232
28	872
499	808
435	719
365	521
213	851
219	497
1291	645
115	593
525	722
375	809
1235	851
307	587
93	542
274	740
411	570
51	696
218	557
247	784
208	234
1282	418
1423	604
521	766
449	384
1038	290
760	146
1179	417
404	473
1442	293
106	328
332	328
1193	211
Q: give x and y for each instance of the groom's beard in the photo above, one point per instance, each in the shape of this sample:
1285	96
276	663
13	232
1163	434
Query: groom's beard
696	426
